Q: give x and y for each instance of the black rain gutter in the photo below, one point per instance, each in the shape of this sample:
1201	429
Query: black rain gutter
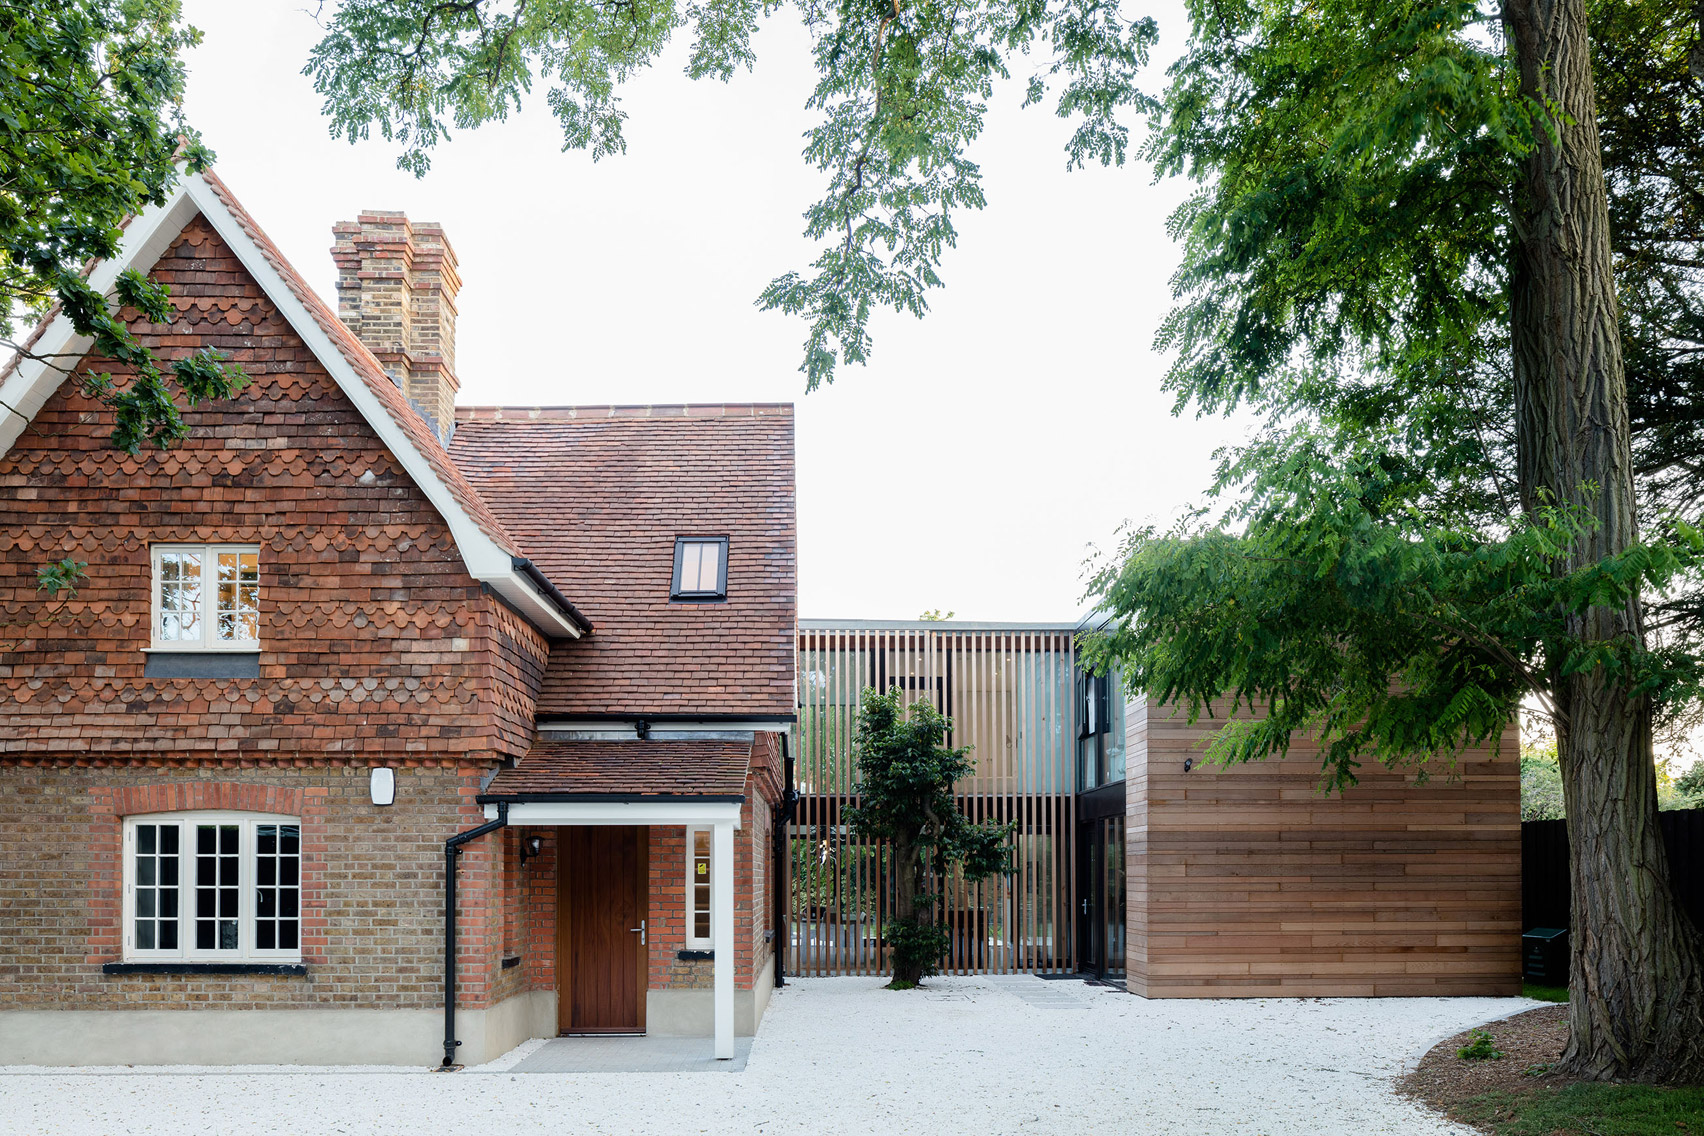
530	570
452	850
654	719
785	810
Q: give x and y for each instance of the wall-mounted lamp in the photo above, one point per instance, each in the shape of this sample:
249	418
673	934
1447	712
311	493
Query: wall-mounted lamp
1188	764
531	846
381	782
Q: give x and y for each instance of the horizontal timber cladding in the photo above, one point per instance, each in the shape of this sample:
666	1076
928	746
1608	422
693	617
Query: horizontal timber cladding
1008	692
1248	881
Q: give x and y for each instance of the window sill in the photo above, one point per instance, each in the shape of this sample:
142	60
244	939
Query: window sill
201	662
193	649
290	969
695	955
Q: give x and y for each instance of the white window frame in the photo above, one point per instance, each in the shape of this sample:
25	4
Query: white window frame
247	840
695	942
209	599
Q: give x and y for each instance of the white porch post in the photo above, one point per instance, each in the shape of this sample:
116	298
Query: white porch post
722	932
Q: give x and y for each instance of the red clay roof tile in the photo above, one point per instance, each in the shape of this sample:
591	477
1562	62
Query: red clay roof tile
597	496
652	767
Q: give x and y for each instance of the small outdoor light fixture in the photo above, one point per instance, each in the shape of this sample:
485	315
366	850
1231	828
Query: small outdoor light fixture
382	783
531	847
1188	764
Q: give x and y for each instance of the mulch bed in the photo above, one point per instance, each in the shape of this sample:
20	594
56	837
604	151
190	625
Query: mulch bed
1536	1038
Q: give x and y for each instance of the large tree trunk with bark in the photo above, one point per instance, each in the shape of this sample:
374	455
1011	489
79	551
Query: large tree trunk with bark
1637	980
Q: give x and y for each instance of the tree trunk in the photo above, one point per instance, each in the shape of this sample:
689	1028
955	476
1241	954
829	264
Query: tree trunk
1636	1002
908	885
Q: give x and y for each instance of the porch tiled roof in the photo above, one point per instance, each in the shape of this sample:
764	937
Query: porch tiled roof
648	768
597	495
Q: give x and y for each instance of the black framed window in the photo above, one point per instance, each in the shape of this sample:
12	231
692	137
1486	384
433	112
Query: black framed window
1093	719
700	568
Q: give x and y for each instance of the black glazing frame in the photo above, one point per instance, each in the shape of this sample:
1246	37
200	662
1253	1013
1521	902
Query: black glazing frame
720	595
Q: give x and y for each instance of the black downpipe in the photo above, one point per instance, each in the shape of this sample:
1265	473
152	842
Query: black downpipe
452	850
784	812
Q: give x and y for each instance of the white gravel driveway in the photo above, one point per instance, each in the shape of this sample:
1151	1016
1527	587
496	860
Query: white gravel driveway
841	1055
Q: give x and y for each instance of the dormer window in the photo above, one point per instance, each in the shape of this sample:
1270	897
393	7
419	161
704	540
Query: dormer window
206	597
700	568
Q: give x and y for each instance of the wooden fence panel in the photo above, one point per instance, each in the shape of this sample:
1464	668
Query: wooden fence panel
1545	900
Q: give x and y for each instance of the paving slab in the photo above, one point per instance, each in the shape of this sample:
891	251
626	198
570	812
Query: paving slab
632	1055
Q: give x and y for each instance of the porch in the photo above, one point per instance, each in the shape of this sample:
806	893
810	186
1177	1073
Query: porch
636	867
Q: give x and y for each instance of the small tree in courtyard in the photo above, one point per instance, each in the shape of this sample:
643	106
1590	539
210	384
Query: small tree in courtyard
905	792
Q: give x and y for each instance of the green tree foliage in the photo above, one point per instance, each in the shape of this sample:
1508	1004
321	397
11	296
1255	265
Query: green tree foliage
902	94
1394	199
1685	791
1692	783
905	799
1541	783
91	132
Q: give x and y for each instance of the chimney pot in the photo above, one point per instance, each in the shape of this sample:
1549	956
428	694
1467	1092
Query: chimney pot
396	290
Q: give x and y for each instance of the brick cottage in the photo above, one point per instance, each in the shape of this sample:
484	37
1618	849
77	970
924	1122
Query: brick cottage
349	647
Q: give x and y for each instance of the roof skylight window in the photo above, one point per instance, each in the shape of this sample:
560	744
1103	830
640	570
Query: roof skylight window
700	568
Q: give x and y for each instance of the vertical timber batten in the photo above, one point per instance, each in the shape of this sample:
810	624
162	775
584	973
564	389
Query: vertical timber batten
1008	691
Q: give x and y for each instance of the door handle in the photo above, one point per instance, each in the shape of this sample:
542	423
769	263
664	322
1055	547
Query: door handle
641	930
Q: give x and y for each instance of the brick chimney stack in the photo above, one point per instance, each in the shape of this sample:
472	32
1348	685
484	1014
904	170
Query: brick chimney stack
396	290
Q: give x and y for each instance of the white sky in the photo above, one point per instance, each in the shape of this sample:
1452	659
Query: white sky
968	467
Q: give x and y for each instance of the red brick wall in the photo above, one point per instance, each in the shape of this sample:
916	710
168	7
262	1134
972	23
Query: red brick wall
753	901
372	886
538	925
376	644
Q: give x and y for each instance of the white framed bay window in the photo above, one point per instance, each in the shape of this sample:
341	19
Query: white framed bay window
206	597
212	887
698	921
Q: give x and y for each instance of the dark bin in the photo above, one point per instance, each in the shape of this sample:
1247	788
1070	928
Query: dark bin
1544	956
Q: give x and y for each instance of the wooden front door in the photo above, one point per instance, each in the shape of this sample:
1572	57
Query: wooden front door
600	953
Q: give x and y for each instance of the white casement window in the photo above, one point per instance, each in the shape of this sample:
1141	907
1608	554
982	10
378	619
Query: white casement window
206	597
213	887
698	889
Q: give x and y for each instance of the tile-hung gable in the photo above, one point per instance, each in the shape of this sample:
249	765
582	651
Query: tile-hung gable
608	501
490	553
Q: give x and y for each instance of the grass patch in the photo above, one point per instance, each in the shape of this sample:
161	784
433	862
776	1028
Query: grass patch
1589	1110
1545	993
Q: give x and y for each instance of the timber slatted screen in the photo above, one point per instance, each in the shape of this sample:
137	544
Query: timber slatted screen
1009	693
